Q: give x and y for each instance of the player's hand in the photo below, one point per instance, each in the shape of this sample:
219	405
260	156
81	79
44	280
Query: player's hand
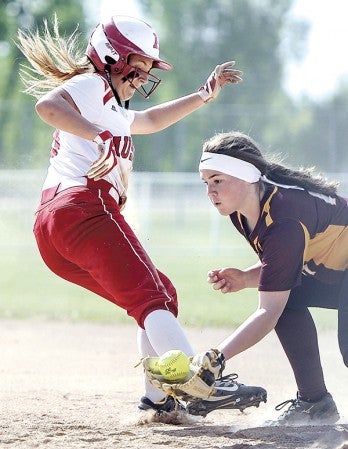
222	74
107	160
227	280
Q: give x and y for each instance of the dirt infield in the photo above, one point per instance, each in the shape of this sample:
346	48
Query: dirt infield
75	386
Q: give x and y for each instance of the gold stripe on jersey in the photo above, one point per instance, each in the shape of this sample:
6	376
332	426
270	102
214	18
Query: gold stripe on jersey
329	248
240	220
306	244
268	219
267	207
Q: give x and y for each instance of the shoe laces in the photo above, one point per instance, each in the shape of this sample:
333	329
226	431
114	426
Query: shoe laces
294	403
228	378
222	362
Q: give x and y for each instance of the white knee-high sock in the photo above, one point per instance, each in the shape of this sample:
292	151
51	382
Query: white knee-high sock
146	349
162	333
165	333
144	346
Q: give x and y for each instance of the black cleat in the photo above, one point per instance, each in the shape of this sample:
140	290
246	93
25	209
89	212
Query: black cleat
228	394
169	404
301	412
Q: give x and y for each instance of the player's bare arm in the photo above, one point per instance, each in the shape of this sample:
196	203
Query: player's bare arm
230	280
258	325
161	116
252	275
227	280
58	109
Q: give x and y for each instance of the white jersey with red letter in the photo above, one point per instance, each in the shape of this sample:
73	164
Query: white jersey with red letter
72	156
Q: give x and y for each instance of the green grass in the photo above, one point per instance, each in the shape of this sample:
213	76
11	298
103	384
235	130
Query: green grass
29	289
183	249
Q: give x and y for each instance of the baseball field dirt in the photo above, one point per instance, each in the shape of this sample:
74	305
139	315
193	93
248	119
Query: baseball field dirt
74	385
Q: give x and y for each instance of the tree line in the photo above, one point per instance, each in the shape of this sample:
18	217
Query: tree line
194	37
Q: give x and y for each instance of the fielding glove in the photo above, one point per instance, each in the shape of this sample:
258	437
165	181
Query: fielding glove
199	383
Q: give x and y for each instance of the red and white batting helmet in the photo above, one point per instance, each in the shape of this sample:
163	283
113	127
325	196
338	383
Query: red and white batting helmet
113	41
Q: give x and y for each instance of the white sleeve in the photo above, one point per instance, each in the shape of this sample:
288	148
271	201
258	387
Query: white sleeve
88	92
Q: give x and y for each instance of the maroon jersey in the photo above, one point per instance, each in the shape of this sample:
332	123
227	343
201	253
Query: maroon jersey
298	233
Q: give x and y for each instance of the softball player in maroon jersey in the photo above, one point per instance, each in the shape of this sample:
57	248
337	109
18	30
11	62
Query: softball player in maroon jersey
298	227
80	230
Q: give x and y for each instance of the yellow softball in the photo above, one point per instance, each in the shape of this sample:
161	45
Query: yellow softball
174	365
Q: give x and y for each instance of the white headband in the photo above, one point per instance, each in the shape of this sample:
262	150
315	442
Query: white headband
230	166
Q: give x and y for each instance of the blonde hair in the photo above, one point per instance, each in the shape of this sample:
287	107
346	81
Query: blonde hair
53	59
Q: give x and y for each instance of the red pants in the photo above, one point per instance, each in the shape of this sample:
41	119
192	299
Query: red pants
83	238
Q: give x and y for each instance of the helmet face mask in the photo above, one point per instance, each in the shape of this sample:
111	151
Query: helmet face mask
113	42
130	73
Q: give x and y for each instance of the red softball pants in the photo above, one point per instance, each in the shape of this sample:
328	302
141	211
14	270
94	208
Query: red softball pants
83	238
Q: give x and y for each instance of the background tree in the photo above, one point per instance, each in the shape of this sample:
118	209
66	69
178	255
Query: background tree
324	139
197	35
23	137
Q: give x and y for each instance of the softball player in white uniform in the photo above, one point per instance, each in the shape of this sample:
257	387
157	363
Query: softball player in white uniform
80	230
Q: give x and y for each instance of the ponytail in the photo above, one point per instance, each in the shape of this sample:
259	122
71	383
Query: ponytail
53	60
